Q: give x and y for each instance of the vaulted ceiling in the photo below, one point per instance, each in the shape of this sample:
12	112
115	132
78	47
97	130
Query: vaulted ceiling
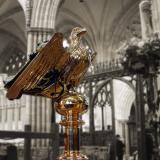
108	22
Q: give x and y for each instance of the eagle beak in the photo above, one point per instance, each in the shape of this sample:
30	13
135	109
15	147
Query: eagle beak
81	32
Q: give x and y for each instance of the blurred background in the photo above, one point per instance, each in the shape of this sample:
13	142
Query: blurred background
110	93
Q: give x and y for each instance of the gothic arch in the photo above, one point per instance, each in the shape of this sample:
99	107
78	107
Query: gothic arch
109	96
109	79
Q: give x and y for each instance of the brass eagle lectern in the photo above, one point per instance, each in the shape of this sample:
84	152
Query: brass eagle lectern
53	71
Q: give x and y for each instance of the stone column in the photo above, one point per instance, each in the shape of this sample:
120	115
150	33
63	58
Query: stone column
156	23
3	111
43	123
14	118
38	115
113	119
27	145
48	118
9	118
91	113
3	118
33	126
156	15
16	115
127	147
45	119
140	118
155	12
146	18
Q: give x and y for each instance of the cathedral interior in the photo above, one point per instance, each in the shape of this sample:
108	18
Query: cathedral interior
123	95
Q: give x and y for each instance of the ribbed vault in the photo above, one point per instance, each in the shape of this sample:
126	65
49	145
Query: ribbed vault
12	32
108	22
124	97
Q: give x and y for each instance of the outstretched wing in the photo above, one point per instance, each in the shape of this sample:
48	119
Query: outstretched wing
33	72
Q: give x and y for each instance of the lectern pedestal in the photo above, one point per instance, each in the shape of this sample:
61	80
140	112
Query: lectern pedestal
71	106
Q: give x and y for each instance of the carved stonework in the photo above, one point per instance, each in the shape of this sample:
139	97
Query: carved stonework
131	29
14	63
28	12
146	18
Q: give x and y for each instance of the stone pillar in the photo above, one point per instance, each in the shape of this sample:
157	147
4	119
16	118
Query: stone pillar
38	113
43	123
45	119
127	147
91	114
113	119
3	118
13	123
156	15
9	118
14	118
156	22
16	115
28	13
27	144
146	18
48	118
55	141
34	120
140	118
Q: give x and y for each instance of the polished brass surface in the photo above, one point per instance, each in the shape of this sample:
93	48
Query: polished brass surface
33	72
71	105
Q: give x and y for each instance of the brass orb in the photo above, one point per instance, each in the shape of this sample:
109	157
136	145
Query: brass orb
71	103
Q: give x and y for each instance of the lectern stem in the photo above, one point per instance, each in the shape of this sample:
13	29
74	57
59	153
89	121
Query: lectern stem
71	140
76	145
66	142
71	106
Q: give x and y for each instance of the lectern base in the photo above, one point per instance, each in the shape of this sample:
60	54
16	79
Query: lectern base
73	157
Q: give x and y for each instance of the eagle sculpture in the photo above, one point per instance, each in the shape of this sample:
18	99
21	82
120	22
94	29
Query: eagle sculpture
52	70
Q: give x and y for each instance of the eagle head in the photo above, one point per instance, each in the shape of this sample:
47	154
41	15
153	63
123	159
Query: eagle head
77	33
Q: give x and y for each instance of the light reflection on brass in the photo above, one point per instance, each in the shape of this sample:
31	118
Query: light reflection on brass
71	105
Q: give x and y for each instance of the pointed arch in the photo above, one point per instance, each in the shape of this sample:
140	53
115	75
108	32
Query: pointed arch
121	96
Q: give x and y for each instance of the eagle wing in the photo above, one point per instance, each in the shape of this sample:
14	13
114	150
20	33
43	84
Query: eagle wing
32	73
